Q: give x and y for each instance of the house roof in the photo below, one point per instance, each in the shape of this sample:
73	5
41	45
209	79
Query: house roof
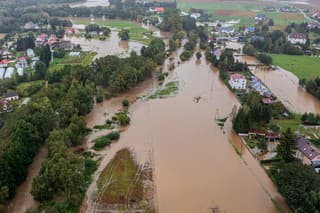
4	61
307	148
297	36
236	76
266	100
10	94
159	9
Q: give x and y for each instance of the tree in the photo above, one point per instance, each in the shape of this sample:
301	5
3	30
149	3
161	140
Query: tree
287	145
124	34
40	70
271	22
198	55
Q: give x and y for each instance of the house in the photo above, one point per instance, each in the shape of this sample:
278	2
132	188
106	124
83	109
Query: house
226	30
41	39
22	62
288	9
237	81
258	86
314	26
260	17
30	53
308	153
5	54
249	30
266	101
31	26
11	96
9	72
3	105
4	63
217	53
2	71
195	15
297	38
156	9
269	136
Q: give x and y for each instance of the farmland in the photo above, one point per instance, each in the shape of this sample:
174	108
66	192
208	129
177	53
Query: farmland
302	66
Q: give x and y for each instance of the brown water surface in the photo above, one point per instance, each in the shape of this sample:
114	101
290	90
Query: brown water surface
196	167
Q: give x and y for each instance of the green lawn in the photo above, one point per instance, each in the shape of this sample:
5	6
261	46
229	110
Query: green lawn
84	59
302	66
285	124
137	32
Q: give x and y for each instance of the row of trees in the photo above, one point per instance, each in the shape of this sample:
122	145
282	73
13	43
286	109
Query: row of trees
254	114
312	86
310	118
250	50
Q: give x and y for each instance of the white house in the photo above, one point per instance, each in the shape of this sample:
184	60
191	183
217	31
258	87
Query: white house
237	81
297	38
195	15
9	72
30	53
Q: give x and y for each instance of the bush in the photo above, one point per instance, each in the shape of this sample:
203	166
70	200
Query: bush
123	118
125	103
114	135
186	55
101	142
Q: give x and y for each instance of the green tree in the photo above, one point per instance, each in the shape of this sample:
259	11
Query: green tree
124	34
40	70
287	145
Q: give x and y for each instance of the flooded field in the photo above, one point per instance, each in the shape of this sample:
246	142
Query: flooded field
196	167
285	86
111	46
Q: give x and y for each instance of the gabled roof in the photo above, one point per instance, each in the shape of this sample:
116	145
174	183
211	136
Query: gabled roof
11	94
307	148
297	36
236	77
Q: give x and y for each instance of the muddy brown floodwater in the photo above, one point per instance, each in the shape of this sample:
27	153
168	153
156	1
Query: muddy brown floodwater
23	199
285	85
111	46
196	165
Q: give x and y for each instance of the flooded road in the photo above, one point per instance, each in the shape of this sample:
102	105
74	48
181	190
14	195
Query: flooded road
111	46
23	199
285	85
196	167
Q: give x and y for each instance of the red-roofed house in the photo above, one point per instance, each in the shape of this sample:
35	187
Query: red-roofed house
159	9
297	38
266	101
238	81
4	63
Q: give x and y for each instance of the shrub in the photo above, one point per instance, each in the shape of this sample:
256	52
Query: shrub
101	142
125	103
114	135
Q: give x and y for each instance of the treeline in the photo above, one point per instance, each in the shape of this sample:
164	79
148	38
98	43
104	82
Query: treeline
310	119
250	50
312	86
254	115
14	16
275	42
226	63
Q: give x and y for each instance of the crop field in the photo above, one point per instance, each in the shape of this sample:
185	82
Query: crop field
125	185
301	66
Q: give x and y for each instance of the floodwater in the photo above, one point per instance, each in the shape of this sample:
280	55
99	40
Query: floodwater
91	3
111	46
285	85
23	199
196	165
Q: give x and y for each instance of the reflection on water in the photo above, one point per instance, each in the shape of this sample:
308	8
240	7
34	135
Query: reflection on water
91	3
111	46
196	167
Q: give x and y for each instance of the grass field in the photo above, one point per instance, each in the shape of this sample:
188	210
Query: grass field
84	59
137	32
302	66
120	174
